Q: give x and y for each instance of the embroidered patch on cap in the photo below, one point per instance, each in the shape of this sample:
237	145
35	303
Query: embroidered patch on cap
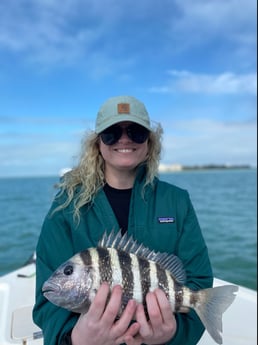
166	219
123	108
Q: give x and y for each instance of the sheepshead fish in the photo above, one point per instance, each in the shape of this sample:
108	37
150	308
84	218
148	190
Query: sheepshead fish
120	260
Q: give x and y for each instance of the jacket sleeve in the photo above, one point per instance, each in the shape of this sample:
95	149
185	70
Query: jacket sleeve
54	237
192	250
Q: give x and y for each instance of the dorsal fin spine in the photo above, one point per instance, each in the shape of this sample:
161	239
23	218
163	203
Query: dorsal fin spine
169	262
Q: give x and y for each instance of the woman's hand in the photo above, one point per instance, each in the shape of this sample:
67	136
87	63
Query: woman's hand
161	326
99	325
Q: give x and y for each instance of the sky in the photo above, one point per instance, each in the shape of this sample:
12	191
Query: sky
191	62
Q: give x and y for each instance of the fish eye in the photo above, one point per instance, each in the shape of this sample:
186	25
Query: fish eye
68	270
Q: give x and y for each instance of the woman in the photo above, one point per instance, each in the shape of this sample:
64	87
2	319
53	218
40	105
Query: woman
115	187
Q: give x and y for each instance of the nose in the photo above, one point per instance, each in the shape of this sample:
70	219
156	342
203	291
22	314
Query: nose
124	135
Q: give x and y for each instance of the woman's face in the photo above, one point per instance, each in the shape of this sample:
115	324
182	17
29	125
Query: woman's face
125	154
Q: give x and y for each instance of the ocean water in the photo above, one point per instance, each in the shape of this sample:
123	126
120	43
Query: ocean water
225	202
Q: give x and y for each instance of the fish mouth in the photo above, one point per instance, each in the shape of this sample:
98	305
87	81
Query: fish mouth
50	288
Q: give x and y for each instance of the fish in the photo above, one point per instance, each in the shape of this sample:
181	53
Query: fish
120	260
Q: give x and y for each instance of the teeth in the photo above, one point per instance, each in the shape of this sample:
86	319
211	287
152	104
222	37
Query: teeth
125	150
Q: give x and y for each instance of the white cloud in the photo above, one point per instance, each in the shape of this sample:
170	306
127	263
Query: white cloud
224	83
38	155
207	141
50	32
39	146
232	18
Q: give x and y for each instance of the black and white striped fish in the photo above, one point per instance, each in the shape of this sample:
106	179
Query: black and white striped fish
121	260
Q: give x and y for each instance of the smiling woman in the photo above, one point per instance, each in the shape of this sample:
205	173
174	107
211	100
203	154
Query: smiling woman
115	188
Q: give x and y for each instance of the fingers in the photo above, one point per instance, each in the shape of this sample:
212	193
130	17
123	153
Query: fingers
161	325
106	304
106	307
153	325
113	306
98	305
131	337
129	340
145	328
164	306
154	309
100	322
127	316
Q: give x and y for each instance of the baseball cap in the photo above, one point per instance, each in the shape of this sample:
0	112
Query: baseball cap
121	108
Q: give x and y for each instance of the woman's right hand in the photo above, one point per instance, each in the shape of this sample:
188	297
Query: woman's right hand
99	325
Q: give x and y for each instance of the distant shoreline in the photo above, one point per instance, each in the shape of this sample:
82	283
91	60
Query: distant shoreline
214	166
179	167
163	168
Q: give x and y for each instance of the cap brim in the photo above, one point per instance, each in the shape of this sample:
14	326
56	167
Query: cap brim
124	117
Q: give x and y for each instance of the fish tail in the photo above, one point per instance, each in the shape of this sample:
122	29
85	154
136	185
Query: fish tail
213	303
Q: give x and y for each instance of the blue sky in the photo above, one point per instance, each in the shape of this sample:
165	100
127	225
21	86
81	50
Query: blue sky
192	62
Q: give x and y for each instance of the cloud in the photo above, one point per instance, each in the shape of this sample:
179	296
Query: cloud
43	154
209	141
231	20
47	33
224	83
39	145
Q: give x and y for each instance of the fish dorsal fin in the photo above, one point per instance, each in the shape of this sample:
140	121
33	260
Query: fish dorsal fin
126	243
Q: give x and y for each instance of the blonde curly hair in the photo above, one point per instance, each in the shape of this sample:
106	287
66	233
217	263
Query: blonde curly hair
89	174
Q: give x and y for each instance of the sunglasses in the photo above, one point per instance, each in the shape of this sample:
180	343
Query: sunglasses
135	132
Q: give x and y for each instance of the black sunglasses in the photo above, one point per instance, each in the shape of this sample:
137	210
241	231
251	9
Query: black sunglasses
135	132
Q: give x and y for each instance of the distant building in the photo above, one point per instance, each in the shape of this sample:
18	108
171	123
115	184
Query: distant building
170	167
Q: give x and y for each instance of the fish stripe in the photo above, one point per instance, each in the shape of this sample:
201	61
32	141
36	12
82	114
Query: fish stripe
137	293
187	295
163	280
171	290
194	298
86	258
179	296
105	268
153	276
127	275
92	252
144	266
183	297
115	264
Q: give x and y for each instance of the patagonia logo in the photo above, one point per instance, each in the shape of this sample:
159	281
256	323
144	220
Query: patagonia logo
166	219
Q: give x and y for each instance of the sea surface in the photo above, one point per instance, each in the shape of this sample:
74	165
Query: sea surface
225	202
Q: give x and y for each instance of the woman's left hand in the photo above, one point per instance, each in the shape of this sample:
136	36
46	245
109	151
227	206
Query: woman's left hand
161	326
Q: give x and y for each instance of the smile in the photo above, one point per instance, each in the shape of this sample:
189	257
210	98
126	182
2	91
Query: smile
125	150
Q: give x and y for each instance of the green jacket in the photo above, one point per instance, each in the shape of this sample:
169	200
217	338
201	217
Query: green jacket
61	238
